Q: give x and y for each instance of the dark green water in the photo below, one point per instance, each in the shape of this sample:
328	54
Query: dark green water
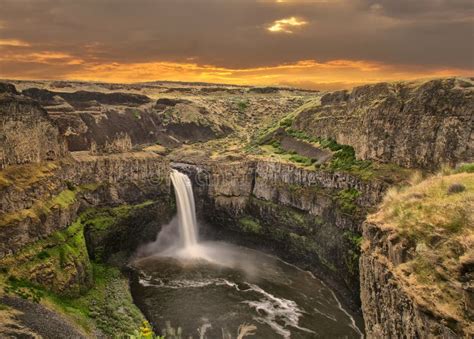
242	286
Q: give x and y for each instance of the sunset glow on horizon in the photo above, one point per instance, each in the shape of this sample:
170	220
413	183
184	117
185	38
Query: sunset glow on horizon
301	43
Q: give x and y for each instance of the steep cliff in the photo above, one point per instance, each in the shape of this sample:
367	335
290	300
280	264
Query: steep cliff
48	197
416	268
62	216
27	133
310	218
419	124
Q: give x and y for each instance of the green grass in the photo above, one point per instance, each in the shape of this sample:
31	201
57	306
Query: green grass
40	208
242	105
465	168
426	207
300	159
250	225
439	228
343	158
100	219
274	149
25	175
65	249
347	200
63	253
287	121
63	199
100	300
107	305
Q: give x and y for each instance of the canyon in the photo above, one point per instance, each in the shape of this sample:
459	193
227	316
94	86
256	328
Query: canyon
303	175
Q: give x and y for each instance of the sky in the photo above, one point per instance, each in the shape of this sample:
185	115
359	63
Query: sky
317	44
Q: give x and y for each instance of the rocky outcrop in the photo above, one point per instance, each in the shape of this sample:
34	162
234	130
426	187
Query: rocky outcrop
50	227
416	267
27	135
389	310
420	124
50	202
83	99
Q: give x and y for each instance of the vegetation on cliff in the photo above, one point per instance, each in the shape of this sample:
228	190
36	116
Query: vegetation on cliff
436	217
59	263
25	175
58	272
284	142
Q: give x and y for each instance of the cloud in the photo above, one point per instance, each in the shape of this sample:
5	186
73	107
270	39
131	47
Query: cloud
13	43
333	74
400	36
286	25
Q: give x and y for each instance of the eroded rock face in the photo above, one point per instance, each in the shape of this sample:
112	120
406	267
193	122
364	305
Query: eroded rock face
44	234
420	125
27	135
296	213
98	117
51	202
390	310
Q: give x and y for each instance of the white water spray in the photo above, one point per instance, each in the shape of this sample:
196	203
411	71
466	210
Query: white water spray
177	244
186	210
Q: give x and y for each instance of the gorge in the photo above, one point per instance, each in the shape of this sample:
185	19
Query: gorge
299	175
215	287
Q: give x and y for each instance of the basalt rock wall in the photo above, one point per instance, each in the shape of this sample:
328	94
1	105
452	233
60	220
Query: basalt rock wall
51	200
420	124
298	214
27	135
390	310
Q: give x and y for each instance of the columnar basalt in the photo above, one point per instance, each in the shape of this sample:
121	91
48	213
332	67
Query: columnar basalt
420	124
28	135
52	200
416	267
302	215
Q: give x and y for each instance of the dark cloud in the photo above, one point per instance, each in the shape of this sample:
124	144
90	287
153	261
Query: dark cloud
451	10
232	33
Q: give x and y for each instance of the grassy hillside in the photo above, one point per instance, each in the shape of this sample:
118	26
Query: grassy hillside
436	217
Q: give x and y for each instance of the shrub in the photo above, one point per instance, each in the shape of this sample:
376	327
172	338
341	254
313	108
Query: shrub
456	188
145	332
42	255
287	122
242	105
250	225
468	168
347	200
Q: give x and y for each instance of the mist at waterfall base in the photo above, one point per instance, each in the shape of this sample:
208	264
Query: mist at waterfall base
210	288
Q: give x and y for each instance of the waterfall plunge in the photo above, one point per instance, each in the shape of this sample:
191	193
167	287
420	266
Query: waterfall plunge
179	239
187	224
186	211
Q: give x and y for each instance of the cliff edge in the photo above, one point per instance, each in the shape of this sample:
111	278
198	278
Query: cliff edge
417	262
422	124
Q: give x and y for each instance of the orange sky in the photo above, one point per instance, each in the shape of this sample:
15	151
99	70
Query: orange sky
302	43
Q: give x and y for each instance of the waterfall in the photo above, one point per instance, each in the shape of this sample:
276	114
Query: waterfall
186	212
